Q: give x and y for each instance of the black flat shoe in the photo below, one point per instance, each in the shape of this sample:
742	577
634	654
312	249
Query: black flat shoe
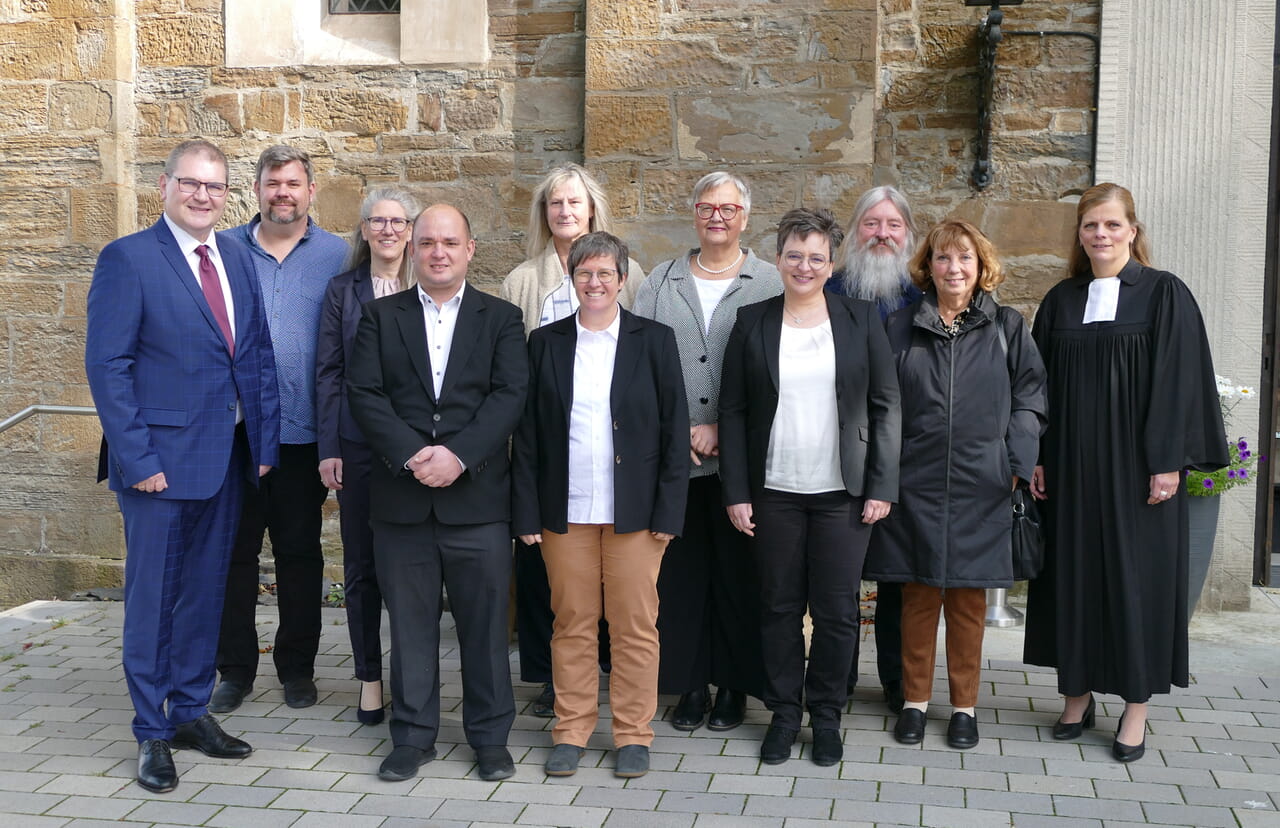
632	762
403	763
962	731
300	692
776	747
493	762
729	710
828	747
228	695
910	727
156	771
563	760
1128	753
691	710
207	736
544	707
1072	730
893	696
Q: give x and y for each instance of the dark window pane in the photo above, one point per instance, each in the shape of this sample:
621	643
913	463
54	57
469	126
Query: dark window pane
364	6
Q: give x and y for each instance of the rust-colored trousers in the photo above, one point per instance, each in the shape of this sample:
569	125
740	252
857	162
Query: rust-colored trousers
593	571
965	610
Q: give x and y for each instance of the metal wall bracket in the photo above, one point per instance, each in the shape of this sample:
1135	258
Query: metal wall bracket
989	37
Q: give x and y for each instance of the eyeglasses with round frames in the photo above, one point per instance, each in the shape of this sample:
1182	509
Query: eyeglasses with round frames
191	186
705	210
604	277
816	262
380	223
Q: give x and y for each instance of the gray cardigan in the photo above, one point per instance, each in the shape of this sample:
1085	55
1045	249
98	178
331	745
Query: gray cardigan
670	296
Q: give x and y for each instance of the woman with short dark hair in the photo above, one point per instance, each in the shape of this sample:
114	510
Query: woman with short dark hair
809	438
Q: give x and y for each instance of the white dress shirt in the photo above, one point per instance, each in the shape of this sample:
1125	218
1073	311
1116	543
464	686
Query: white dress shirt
591	425
804	443
1104	296
188	243
440	321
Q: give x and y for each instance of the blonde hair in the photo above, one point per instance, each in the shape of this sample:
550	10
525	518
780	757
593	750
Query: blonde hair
952	234
539	233
1078	263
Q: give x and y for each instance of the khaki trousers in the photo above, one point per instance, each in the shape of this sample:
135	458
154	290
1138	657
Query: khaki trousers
593	571
965	610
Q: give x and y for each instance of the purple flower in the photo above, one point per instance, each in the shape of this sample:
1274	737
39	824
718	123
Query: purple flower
1242	445
1242	474
1208	483
1231	474
1262	458
1245	455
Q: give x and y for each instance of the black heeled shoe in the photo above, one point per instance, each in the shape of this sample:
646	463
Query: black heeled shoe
369	717
1128	753
1072	730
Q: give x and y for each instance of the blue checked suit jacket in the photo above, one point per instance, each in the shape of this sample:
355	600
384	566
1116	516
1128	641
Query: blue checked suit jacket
162	379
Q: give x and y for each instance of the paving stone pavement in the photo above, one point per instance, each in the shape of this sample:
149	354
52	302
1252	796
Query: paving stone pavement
67	755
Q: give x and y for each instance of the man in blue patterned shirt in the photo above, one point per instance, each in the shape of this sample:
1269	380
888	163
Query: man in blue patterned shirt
294	260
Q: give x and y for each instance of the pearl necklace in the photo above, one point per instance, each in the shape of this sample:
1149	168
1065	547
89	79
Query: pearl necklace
732	264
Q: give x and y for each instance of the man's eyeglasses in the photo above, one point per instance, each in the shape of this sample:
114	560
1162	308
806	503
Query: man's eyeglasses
191	186
604	277
726	211
380	223
816	261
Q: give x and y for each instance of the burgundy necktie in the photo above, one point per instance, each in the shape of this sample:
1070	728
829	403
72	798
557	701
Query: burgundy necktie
212	287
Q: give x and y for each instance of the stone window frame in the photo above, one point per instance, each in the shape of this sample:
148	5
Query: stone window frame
304	33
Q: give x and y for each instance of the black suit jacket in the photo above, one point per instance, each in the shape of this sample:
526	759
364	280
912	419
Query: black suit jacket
390	391
866	399
650	430
344	300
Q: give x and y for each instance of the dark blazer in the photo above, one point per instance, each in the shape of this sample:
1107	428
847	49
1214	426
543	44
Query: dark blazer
162	378
392	401
866	399
344	299
650	431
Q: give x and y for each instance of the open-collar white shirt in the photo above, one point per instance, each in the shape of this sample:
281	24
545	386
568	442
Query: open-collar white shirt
591	425
440	321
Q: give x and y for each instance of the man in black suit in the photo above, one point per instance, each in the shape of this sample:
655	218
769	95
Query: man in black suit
437	383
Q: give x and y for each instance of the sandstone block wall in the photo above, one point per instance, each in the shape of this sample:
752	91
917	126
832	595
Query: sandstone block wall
814	100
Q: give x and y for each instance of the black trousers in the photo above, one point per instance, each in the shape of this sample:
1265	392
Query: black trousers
809	550
709	601
534	617
287	504
360	588
473	563
888	631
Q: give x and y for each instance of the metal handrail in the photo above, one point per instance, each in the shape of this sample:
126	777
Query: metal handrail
83	410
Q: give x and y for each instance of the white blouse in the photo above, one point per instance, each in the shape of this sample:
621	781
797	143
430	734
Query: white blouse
591	425
804	444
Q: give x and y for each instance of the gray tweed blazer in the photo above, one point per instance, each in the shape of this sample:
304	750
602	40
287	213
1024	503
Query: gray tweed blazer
669	295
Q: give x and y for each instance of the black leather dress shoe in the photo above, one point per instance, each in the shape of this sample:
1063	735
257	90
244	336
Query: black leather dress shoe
776	747
729	710
156	771
493	762
544	707
910	727
403	763
828	747
1072	730
1128	753
691	710
207	736
893	696
962	731
300	692
228	695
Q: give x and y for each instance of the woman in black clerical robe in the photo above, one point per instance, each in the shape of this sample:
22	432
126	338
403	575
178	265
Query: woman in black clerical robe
1132	406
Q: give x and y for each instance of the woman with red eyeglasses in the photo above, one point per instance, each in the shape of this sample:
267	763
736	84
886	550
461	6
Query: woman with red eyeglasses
708	615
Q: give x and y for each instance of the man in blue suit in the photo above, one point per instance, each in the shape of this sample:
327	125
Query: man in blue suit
180	365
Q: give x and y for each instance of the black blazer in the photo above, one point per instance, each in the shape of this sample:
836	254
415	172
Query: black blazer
650	431
344	298
390	391
866	399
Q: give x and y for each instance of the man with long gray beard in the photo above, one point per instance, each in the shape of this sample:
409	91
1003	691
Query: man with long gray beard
873	266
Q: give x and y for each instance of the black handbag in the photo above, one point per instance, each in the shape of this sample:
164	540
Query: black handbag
1028	537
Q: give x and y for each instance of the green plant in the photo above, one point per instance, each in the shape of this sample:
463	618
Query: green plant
1236	473
337	596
